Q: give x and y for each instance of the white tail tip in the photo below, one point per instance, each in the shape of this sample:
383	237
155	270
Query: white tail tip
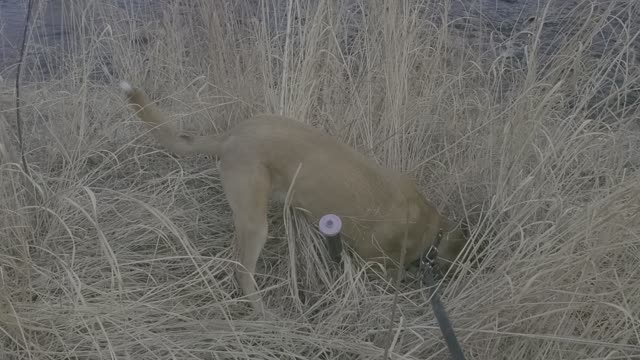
126	87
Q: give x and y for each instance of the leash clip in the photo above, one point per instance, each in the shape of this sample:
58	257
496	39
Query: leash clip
429	258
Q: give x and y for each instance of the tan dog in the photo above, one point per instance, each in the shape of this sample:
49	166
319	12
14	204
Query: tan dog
268	154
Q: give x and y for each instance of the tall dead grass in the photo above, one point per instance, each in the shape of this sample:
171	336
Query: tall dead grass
116	249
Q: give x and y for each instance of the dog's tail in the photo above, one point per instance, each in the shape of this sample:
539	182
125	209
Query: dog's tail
166	132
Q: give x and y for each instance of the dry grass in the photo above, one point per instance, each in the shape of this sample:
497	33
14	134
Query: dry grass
116	249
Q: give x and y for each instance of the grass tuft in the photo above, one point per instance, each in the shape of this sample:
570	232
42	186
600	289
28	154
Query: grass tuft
125	250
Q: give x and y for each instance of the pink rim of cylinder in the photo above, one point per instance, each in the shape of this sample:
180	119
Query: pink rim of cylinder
330	225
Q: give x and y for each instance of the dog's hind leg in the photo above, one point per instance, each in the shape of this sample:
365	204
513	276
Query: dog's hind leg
247	188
